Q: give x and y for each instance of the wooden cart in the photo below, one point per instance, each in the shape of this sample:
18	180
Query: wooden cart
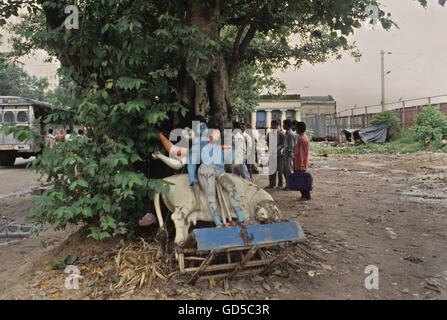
237	251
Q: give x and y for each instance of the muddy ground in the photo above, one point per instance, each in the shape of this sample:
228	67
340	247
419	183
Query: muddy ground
355	199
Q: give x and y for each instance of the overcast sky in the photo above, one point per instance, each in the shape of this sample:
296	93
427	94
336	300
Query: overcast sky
418	62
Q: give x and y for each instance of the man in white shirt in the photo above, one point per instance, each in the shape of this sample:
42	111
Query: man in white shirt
240	148
49	139
289	146
250	148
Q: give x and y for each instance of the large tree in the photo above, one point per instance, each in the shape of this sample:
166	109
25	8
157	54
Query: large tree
145	65
208	41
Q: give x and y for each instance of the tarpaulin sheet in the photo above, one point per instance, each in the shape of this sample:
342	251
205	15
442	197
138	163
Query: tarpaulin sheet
376	133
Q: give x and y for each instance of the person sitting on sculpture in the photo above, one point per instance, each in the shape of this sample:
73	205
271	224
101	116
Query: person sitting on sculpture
206	167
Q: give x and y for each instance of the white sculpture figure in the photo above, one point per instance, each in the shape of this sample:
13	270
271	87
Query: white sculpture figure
256	203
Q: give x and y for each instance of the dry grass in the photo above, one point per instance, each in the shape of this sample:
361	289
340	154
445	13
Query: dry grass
139	265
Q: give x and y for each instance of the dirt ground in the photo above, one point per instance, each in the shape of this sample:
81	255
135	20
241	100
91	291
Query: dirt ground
355	199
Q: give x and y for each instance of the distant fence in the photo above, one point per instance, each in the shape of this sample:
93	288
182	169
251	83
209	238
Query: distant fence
318	124
406	111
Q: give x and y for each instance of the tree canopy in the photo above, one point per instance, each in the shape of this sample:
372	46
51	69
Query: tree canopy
145	66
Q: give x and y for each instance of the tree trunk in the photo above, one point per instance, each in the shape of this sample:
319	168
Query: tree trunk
212	89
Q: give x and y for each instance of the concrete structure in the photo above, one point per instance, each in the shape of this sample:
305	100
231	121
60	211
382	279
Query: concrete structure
291	106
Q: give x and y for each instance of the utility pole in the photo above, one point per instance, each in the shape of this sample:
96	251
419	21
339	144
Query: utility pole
382	56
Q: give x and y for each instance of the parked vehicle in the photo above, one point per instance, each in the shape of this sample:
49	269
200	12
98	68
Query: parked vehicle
22	112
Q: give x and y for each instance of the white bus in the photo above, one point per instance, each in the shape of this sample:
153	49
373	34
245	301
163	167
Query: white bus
22	112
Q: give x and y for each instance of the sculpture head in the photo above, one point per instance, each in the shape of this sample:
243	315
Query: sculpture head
267	211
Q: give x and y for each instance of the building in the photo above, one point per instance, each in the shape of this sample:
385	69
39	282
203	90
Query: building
290	106
318	105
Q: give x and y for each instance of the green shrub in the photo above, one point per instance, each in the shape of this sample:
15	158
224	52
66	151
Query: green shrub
310	134
431	123
389	118
402	143
435	144
405	136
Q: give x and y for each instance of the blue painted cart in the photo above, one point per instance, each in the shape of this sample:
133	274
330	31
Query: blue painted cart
237	251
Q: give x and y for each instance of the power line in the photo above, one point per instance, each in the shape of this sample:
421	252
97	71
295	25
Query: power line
405	63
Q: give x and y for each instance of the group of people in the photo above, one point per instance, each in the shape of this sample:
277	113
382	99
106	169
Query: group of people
51	139
292	154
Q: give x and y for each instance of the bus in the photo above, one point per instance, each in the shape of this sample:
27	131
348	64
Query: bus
22	112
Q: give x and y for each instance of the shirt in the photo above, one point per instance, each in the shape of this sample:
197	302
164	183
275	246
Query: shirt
210	153
279	139
301	159
250	147
240	148
290	143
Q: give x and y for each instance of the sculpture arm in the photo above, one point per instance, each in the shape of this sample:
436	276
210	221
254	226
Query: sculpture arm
170	148
170	162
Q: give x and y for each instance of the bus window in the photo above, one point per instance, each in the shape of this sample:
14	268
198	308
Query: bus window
22	116
9	116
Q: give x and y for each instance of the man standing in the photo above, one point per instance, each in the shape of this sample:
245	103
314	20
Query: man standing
250	147
240	168
290	141
49	139
276	156
301	161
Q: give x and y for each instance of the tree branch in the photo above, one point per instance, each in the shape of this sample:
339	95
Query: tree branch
240	48
244	24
